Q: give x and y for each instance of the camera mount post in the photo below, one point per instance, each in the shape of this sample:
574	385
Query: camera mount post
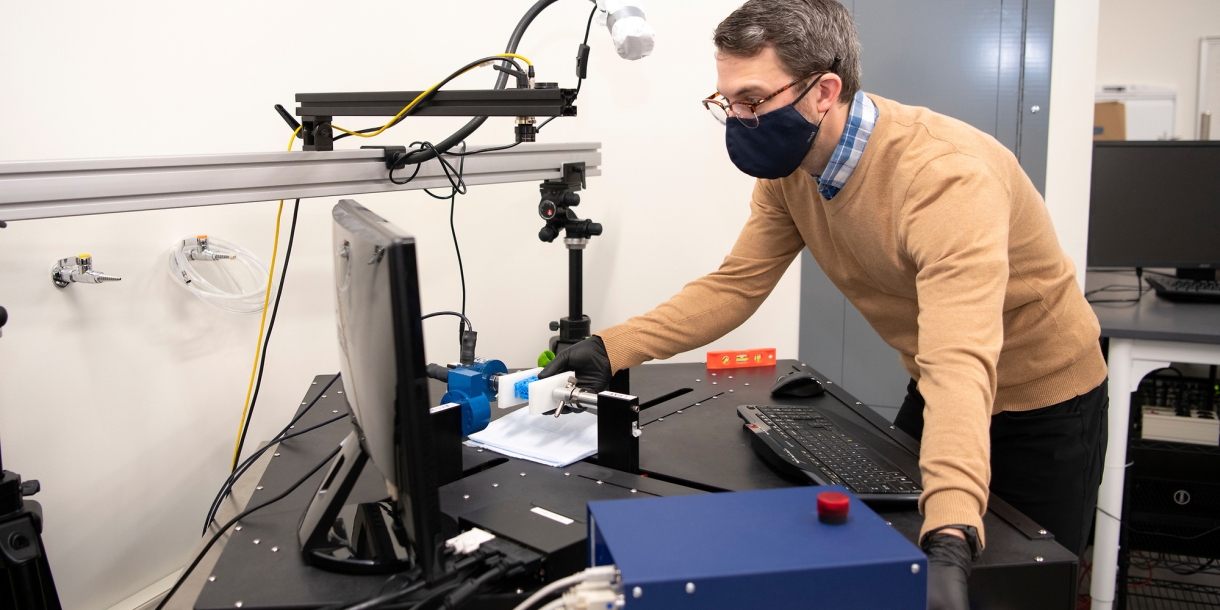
558	198
25	575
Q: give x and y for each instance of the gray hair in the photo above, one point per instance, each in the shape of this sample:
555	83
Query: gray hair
806	34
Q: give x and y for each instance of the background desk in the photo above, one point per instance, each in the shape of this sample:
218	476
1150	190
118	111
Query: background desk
691	438
1142	337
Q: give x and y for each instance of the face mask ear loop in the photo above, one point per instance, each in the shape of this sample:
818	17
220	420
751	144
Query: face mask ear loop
834	69
808	89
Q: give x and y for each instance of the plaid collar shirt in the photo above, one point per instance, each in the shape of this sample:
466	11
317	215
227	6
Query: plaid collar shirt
861	118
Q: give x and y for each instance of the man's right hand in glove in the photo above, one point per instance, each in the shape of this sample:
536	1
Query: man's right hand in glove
588	359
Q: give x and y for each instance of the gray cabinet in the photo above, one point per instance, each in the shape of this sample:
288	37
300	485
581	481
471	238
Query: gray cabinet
986	62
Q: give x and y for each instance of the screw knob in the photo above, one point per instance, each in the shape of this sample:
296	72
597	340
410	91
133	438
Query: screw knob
833	507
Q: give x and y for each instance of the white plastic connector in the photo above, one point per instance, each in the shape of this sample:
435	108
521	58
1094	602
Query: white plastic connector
602	591
469	541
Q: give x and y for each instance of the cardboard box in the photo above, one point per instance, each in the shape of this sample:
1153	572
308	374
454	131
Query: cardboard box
1109	121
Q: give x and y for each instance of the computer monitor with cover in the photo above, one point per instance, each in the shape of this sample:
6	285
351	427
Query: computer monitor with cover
1156	204
381	350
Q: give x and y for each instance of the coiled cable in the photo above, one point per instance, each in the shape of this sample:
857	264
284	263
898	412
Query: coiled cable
242	295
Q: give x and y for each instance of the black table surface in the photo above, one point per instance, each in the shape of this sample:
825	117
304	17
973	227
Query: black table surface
697	439
691	437
1152	318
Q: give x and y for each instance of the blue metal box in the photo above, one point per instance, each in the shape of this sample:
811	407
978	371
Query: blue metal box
755	549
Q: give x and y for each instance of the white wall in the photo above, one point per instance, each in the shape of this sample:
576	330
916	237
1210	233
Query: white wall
1157	43
123	399
1069	153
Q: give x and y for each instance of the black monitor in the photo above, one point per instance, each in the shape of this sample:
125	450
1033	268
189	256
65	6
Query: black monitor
381	350
1156	204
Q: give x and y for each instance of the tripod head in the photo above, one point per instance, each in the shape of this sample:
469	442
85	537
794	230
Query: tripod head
558	199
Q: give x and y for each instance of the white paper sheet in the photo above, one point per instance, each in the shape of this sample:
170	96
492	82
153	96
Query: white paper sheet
546	439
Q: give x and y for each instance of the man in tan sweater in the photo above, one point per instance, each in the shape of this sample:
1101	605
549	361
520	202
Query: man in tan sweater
933	231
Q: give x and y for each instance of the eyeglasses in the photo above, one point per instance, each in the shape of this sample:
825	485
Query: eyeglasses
747	112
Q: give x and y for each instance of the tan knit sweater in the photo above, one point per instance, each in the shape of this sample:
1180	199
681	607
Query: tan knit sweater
947	249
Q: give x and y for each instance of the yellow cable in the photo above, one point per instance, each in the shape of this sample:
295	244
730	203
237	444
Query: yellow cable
275	248
419	98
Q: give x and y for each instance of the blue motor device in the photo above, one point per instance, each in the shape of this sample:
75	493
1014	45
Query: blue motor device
755	549
473	388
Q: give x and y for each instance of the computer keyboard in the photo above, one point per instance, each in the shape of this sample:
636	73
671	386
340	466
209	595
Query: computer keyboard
1179	289
801	440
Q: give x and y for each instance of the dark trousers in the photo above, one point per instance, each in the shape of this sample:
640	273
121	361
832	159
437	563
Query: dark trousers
1046	462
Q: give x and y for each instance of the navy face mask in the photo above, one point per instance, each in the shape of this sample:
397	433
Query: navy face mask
775	148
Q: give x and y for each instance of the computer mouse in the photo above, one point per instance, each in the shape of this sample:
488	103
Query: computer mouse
797	384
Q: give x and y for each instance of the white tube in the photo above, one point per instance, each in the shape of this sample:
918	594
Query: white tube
248	287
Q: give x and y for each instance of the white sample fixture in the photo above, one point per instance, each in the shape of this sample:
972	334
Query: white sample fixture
506	396
542	392
633	37
220	273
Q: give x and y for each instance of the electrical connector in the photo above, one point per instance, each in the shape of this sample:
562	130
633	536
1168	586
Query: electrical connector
469	541
601	591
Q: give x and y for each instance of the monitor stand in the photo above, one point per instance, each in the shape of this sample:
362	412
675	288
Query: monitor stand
324	544
1194	273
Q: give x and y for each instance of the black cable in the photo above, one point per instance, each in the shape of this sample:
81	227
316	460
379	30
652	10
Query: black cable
539	128
452	174
241	469
449	313
453	231
585	42
398	120
1139	288
460	596
579	81
482	150
389	598
207	547
460	71
457	250
459	185
262	359
1177	568
470	127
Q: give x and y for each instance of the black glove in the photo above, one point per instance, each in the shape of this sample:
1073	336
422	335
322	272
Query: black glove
948	568
588	359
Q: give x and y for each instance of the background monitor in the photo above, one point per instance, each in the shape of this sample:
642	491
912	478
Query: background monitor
1155	204
381	351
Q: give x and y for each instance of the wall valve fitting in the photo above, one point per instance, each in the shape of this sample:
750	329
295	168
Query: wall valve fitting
203	252
78	269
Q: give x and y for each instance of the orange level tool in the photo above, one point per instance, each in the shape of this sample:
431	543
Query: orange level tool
740	359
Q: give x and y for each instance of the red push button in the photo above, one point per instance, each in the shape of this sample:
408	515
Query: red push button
833	507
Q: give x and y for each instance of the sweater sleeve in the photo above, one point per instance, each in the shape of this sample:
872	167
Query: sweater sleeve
711	306
954	227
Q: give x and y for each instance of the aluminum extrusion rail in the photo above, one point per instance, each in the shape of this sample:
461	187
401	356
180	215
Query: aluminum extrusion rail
78	187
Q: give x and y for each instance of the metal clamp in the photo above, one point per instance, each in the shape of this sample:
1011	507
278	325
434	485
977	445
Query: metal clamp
78	269
573	398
